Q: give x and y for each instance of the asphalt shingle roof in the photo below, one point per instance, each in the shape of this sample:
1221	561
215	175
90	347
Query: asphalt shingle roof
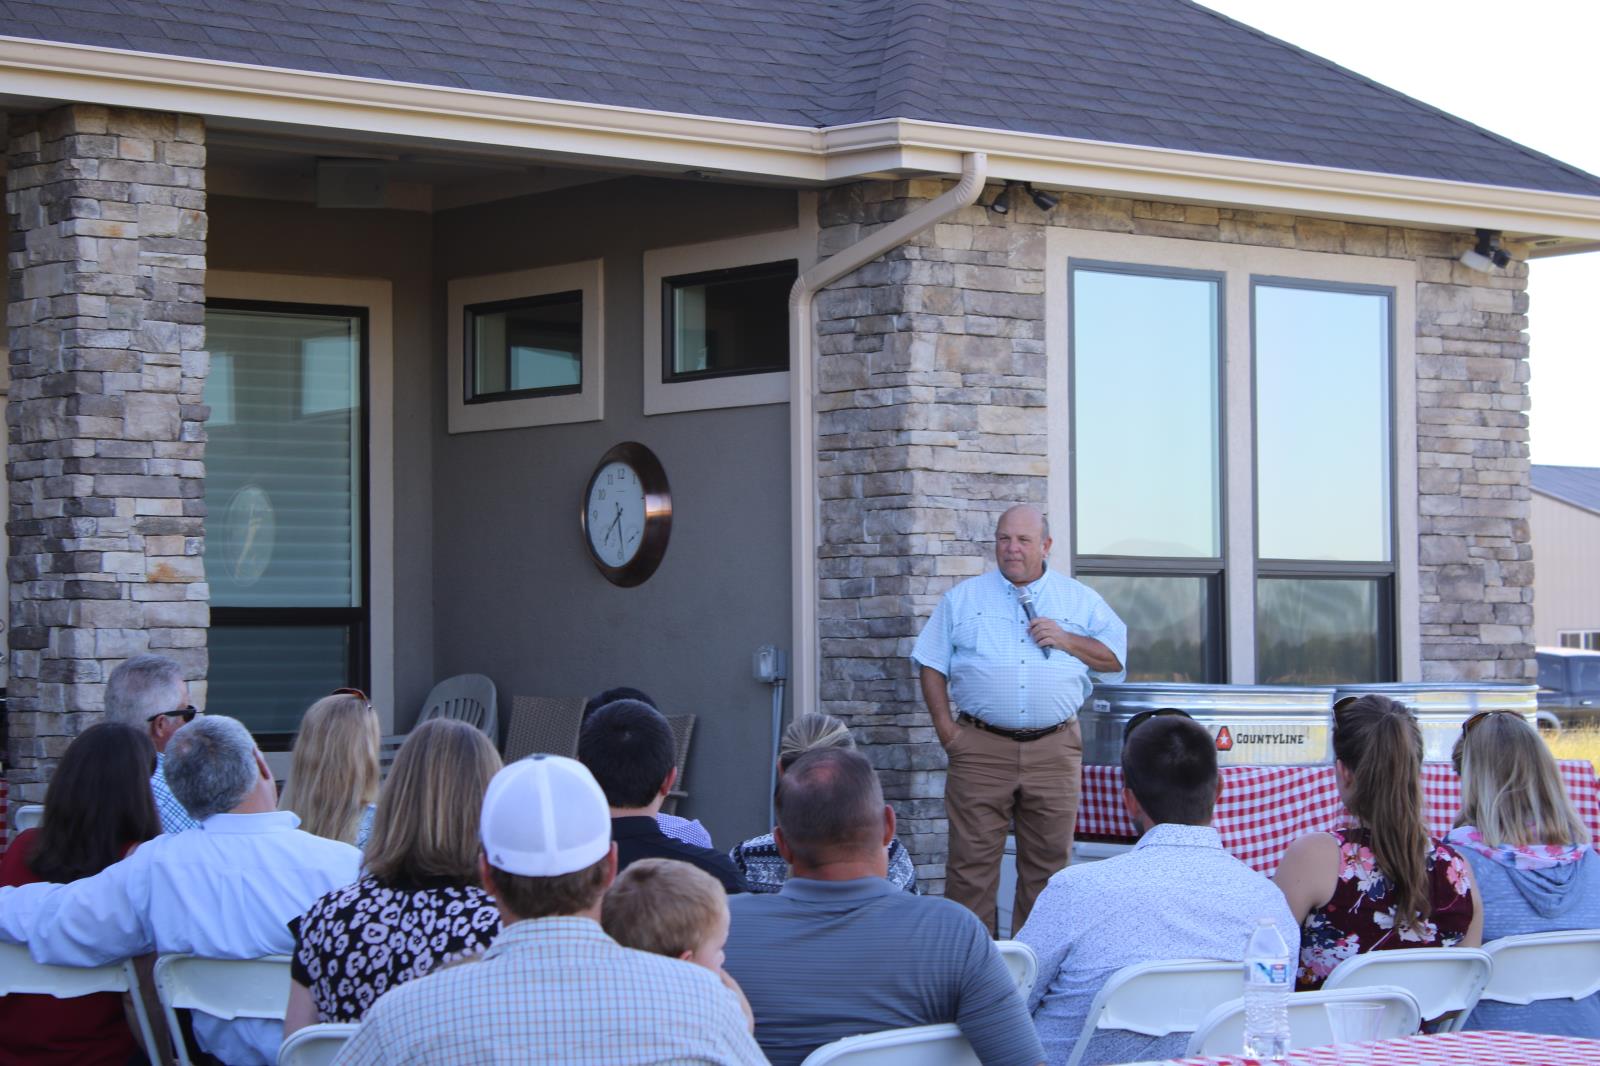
1160	73
1577	485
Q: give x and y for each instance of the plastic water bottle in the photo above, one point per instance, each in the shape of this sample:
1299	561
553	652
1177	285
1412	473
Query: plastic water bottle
1268	979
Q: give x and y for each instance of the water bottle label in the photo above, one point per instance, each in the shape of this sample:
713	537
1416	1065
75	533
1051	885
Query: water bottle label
1264	972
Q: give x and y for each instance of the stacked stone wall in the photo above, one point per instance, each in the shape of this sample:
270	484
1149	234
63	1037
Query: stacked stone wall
105	417
931	370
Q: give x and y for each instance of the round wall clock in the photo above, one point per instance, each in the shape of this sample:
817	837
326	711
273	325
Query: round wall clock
627	514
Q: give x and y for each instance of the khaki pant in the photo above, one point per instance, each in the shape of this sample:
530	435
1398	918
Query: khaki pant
992	783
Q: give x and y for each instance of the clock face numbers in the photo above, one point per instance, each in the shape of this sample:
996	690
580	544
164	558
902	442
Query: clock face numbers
615	514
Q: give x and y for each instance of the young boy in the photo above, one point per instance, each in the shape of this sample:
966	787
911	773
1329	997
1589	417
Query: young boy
671	908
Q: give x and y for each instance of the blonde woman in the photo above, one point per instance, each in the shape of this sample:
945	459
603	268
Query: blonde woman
418	905
758	858
1531	855
333	773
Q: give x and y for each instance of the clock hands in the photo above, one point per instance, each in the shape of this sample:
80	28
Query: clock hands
616	524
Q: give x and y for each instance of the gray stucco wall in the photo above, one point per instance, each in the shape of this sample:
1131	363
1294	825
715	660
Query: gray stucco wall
295	238
515	595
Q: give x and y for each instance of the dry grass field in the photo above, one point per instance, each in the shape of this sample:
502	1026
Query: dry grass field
1576	744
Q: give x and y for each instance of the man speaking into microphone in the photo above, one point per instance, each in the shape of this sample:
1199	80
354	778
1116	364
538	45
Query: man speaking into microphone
1007	659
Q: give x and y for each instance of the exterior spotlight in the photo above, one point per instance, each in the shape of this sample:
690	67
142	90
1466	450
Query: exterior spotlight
1001	204
1487	253
1043	200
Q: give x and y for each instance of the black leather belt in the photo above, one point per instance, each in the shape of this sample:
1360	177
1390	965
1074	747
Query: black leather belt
1021	735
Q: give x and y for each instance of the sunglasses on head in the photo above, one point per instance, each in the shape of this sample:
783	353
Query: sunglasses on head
1144	716
1472	722
357	693
187	714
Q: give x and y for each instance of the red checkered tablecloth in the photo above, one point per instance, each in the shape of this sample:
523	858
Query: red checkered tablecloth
1470	1048
1263	808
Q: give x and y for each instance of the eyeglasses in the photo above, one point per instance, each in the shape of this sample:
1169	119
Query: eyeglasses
1144	716
187	714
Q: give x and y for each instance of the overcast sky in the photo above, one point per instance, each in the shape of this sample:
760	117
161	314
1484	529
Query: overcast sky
1524	70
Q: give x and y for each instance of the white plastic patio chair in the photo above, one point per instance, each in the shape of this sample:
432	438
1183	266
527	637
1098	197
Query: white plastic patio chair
922	1045
20	974
1222	1031
1535	966
1446	982
1159	998
1022	962
316	1045
469	698
29	816
222	988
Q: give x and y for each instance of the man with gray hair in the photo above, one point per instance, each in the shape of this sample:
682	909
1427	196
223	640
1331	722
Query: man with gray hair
148	692
227	890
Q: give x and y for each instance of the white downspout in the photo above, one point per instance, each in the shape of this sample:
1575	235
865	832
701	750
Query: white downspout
805	675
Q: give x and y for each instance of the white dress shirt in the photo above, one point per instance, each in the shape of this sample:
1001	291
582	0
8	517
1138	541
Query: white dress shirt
1176	895
225	890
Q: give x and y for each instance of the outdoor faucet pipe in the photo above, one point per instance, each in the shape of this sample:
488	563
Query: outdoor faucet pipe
804	675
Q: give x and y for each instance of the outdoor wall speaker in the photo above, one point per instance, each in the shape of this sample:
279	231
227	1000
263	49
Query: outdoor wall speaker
350	183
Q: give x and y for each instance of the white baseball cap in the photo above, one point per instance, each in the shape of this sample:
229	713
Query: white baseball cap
545	816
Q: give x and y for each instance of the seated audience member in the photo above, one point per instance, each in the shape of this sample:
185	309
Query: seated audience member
688	830
148	692
758	858
227	890
867	955
1530	855
670	908
1382	883
333	773
418	905
553	987
1176	895
97	809
629	749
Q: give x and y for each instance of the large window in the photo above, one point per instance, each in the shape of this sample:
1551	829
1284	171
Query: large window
1324	482
285	526
1147	461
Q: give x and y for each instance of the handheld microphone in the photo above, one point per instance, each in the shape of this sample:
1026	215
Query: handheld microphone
1025	598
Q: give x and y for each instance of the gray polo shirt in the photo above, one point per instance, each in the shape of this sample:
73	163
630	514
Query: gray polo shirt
821	960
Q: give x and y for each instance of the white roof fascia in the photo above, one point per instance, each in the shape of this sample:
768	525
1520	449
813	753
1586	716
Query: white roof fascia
273	97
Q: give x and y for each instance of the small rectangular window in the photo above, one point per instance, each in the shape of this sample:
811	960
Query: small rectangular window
526	347
725	322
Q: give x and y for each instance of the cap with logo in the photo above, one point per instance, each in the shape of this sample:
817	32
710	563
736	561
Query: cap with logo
545	816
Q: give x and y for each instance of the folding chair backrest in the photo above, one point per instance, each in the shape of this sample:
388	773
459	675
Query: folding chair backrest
682	733
1222	1032
388	748
1446	982
29	816
468	698
546	724
222	988
20	974
1159	998
316	1045
1022	962
923	1045
1535	966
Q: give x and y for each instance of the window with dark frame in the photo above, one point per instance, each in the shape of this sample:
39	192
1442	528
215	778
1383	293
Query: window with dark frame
722	323
531	346
1324	481
287	524
1147	532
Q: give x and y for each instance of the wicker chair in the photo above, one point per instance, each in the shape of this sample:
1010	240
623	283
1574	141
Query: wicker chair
543	724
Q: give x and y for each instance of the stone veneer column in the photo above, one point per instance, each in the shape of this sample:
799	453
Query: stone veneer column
108	366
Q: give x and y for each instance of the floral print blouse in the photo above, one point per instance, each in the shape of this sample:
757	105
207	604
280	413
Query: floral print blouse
1361	917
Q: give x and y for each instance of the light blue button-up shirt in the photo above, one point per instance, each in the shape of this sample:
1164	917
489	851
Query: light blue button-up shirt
978	638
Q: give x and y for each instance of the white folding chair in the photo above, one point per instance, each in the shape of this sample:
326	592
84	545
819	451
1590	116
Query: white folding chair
468	697
922	1045
1222	1031
316	1045
222	988
20	974
1535	966
29	816
1446	982
1159	998
1022	962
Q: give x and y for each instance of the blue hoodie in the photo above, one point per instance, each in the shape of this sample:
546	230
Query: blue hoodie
1516	901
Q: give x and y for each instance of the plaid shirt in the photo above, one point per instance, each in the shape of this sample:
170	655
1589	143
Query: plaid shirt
557	990
174	819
